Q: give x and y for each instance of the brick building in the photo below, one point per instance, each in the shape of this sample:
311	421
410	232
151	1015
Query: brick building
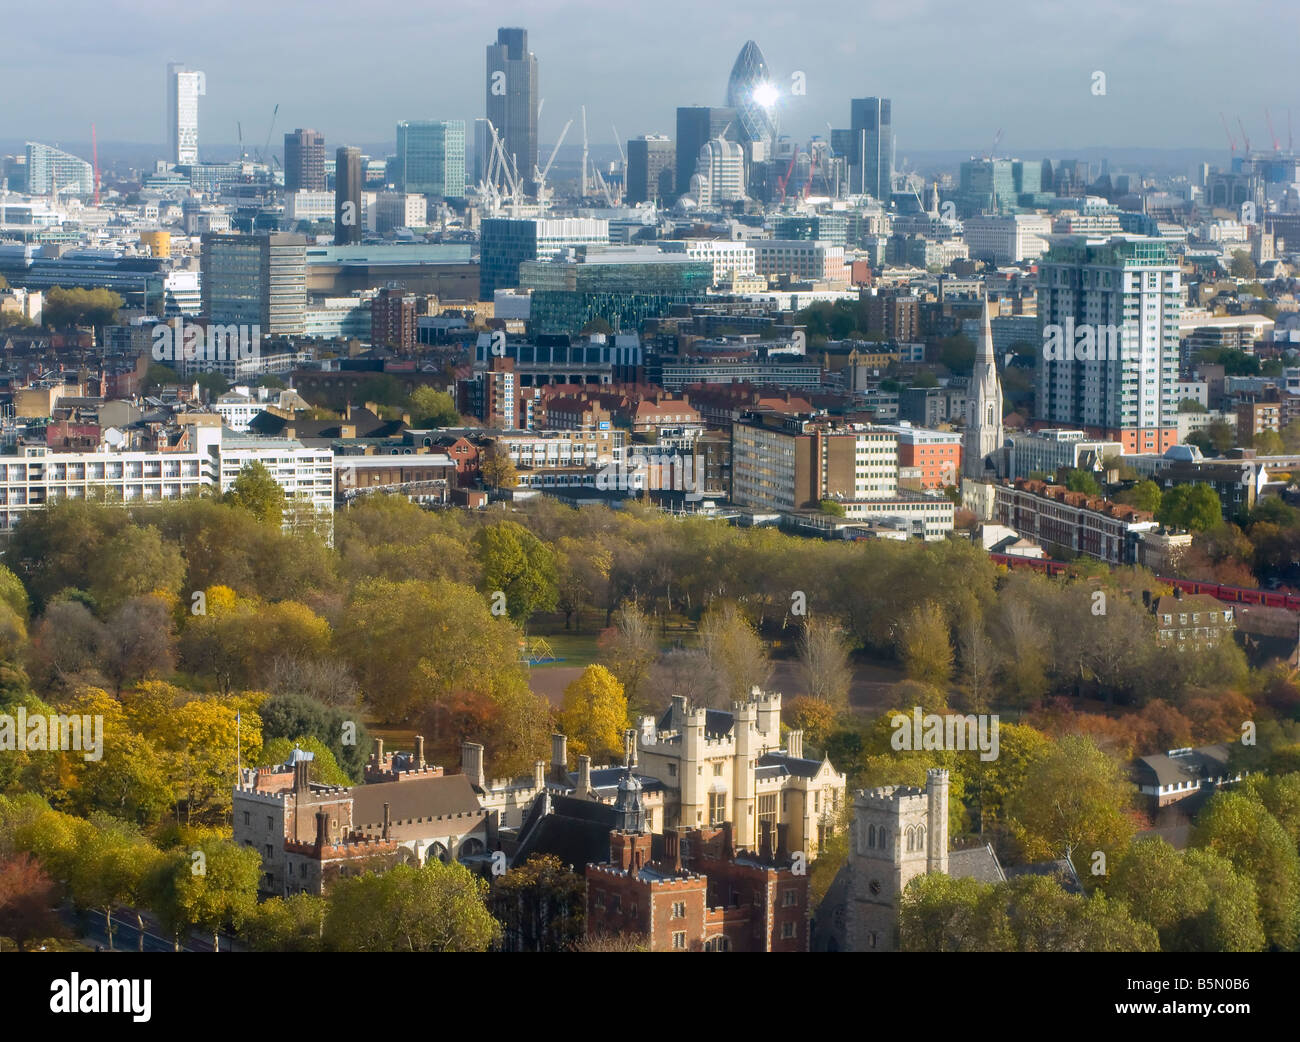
702	894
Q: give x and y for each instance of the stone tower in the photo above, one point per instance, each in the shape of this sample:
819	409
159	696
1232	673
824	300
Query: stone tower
983	436
898	832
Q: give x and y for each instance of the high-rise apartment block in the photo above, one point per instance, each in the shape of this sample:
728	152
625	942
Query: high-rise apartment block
256	280
1109	311
184	88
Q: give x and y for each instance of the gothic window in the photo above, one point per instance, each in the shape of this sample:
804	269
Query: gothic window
871	836
882	839
910	839
920	837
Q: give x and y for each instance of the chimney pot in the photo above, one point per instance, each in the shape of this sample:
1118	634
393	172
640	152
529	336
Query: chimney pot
419	752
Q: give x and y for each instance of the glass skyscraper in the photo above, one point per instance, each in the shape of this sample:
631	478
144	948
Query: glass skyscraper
49	170
512	101
431	157
752	94
871	147
184	88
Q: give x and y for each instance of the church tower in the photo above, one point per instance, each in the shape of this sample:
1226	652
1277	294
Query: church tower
983	436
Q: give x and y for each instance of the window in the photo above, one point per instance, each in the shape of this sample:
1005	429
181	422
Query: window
270	823
766	811
717	808
679	942
598	898
787	931
717	769
789	897
268	850
679	909
245	817
672	770
615	902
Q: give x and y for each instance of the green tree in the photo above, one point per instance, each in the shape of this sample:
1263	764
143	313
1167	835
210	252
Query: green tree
924	645
497	468
515	562
430	407
257	491
1145	495
65	308
1237	826
300	718
1268	443
1241	266
1082	481
1196	507
541	906
829	506
1073	802
288	924
109	869
134	562
208	888
436	908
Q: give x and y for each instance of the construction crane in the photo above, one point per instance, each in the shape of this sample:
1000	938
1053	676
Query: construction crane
270	130
781	182
1271	133
582	192
996	138
540	175
1232	144
1245	138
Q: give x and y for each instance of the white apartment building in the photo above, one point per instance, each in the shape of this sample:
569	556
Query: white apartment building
397	210
1132	285
719	173
1007	238
799	258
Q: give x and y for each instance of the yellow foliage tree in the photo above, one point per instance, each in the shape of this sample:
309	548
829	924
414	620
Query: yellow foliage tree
594	715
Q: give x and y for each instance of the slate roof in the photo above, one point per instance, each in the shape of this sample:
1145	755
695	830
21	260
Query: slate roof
1061	870
1184	765
979	863
604	780
414	798
788	765
573	830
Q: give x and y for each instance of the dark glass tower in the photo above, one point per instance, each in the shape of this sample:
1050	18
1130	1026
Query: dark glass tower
512	101
871	147
347	196
650	164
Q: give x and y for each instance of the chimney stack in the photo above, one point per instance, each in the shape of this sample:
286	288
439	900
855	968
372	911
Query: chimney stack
322	828
471	763
301	777
782	846
539	774
584	774
794	744
419	752
388	818
764	841
559	758
728	841
673	850
379	752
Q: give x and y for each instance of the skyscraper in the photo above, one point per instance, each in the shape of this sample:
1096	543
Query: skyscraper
431	157
256	280
1109	312
696	127
184	88
871	147
347	196
983	435
50	170
752	94
304	161
650	162
512	101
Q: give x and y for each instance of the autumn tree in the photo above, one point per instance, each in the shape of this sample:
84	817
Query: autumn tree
735	652
257	491
924	646
541	906
208	888
594	714
519	565
27	902
628	649
824	661
496	467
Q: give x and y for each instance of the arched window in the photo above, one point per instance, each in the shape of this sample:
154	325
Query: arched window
882	839
908	838
871	836
920	837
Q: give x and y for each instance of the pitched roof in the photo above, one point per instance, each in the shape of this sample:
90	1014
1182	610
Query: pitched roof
795	765
414	798
979	863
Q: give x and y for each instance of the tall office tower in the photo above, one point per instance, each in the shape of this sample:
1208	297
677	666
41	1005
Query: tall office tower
431	157
347	196
752	94
650	162
719	173
256	280
995	185
304	161
184	88
983	436
512	101
1109	312
696	127
871	147
50	170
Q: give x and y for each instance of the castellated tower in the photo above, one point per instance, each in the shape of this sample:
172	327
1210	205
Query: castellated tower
898	832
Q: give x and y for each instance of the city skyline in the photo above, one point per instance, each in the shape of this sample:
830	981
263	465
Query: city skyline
1040	94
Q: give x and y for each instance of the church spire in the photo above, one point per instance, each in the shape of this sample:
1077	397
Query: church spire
983	436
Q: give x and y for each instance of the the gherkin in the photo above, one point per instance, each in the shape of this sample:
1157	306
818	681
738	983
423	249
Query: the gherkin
751	92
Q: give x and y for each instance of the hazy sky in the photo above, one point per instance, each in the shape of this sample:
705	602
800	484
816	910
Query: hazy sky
956	71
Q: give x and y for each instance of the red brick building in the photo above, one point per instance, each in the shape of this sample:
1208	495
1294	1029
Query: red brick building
702	894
